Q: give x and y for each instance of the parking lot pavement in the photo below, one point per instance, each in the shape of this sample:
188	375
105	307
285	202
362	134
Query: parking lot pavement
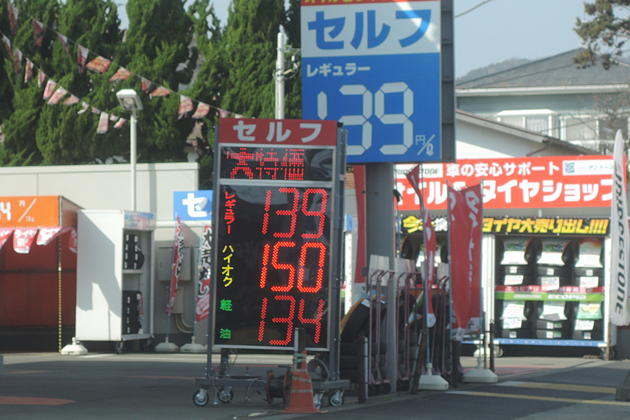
161	386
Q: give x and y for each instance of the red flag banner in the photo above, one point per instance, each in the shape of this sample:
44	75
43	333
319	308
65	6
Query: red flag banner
113	118
205	271
38	32
103	125
7	43
178	261
47	234
50	88
82	54
160	91
64	43
414	179
23	239
201	111
185	105
99	64
17	60
120	123
84	107
465	234
5	233
59	93
13	18
121	74
28	71
72	100
430	247
146	84
41	78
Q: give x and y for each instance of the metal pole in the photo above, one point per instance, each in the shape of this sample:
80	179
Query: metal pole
280	78
132	160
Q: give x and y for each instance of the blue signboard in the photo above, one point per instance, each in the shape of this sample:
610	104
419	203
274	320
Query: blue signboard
192	205
375	67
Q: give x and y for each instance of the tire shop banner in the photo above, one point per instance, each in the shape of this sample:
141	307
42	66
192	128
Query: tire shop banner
178	261
620	240
205	271
465	223
529	182
430	243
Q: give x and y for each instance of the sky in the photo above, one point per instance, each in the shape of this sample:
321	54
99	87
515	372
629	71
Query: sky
498	30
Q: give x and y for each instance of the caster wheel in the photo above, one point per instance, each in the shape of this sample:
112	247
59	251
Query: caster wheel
225	396
336	399
318	400
200	398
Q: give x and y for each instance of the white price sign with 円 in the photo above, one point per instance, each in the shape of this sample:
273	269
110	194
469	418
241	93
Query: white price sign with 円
375	67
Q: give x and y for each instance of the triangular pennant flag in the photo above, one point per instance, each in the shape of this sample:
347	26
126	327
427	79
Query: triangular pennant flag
64	43
71	100
59	93
85	107
146	84
223	113
202	110
121	74
113	117
17	60
13	18
103	123
23	238
120	123
5	233
47	234
82	54
41	78
50	88
160	91
28	71
96	111
185	105
238	116
99	64
38	32
7	43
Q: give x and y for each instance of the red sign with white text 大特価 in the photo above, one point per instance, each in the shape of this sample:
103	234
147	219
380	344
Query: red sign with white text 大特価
529	182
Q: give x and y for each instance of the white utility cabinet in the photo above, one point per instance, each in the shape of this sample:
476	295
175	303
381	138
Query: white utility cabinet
115	276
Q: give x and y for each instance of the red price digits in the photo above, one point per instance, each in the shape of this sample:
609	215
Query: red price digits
308	248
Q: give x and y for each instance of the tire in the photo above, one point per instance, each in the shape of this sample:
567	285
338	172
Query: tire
200	398
223	396
336	399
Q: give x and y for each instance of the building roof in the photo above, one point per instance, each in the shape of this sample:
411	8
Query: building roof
558	71
522	132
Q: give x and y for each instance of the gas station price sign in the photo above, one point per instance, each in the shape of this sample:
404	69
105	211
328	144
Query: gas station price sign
275	198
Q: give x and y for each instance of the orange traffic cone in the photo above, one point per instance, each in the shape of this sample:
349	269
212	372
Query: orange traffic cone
301	395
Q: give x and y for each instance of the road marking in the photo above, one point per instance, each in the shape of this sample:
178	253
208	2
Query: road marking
33	401
565	387
26	372
539	398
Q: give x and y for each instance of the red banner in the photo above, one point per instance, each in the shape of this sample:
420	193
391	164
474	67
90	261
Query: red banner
464	238
529	182
23	239
205	271
202	110
5	234
178	260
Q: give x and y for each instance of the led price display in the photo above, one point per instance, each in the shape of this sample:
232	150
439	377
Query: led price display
273	263
277	163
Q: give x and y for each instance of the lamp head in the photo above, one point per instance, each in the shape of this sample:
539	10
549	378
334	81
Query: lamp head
129	100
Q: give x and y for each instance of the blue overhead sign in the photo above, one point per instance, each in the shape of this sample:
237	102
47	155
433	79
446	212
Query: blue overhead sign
192	205
375	67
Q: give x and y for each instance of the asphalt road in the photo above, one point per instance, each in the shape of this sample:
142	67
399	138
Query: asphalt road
161	386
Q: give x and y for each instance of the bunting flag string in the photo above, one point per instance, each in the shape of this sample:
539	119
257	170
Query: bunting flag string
103	123
38	32
100	65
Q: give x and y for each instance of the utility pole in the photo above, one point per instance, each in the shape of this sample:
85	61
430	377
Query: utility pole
280	77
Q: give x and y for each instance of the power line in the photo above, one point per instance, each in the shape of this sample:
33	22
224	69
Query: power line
472	8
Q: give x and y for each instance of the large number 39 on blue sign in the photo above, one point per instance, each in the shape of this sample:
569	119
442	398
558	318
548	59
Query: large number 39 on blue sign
374	104
391	111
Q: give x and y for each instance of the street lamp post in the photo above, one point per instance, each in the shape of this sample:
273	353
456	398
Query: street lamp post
130	101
